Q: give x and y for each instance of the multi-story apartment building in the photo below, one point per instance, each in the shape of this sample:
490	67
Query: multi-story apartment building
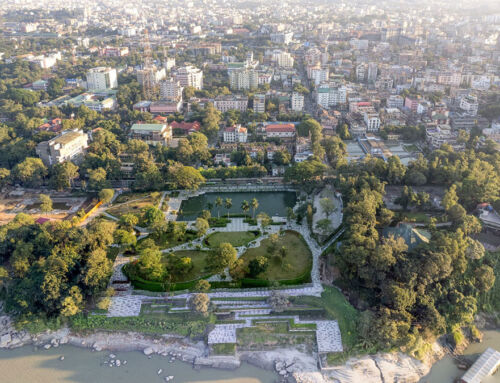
283	59
101	78
152	134
441	134
297	102
280	130
412	103
372	73
224	103
155	75
235	134
259	103
190	76
68	146
318	74
395	101
331	94
469	105
170	89
243	79
372	121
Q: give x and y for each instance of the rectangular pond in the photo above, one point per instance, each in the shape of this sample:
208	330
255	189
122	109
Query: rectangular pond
272	203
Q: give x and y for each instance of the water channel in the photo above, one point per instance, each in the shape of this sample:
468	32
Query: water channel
272	203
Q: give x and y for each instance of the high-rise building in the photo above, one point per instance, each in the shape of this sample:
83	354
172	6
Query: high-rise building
190	76
297	102
372	73
243	79
170	89
101	78
283	59
259	103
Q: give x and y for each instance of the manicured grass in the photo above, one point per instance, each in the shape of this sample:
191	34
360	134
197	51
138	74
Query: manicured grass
235	238
336	307
296	262
166	241
415	217
198	259
273	335
410	148
133	203
224	349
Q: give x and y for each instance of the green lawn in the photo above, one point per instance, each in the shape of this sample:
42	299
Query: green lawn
224	349
336	307
133	203
415	217
166	241
235	238
296	262
199	260
273	335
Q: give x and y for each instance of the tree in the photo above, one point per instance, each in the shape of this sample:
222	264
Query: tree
185	177
128	221
152	215
63	174
150	265
264	219
200	303
450	198
395	170
257	266
223	256
106	195
202	226
456	213
4	177
30	172
98	270
290	214
124	237
324	226
45	203
97	179
305	171
327	206
245	206
228	204
343	132
336	151
210	122
254	205
485	278
278	301
71	305
218	204
203	285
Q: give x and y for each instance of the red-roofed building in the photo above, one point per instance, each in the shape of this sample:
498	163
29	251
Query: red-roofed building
54	125
280	130
185	127
161	119
235	134
42	220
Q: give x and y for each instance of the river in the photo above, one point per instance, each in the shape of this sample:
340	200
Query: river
446	371
25	365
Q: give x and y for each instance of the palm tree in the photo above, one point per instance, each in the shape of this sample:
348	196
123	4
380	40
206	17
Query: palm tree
228	205
254	204
245	206
218	203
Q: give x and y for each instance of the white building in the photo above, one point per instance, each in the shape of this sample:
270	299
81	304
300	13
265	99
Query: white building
190	76
102	78
469	105
283	59
280	130
331	94
371	76
69	145
229	102
171	89
319	74
155	75
259	103
395	101
243	79
235	134
297	102
372	121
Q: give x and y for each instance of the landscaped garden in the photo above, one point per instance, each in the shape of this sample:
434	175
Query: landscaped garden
133	203
284	256
235	238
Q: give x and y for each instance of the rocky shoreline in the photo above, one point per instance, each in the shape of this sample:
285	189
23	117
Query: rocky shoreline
291	365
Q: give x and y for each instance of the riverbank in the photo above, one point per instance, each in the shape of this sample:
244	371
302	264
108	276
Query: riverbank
291	365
